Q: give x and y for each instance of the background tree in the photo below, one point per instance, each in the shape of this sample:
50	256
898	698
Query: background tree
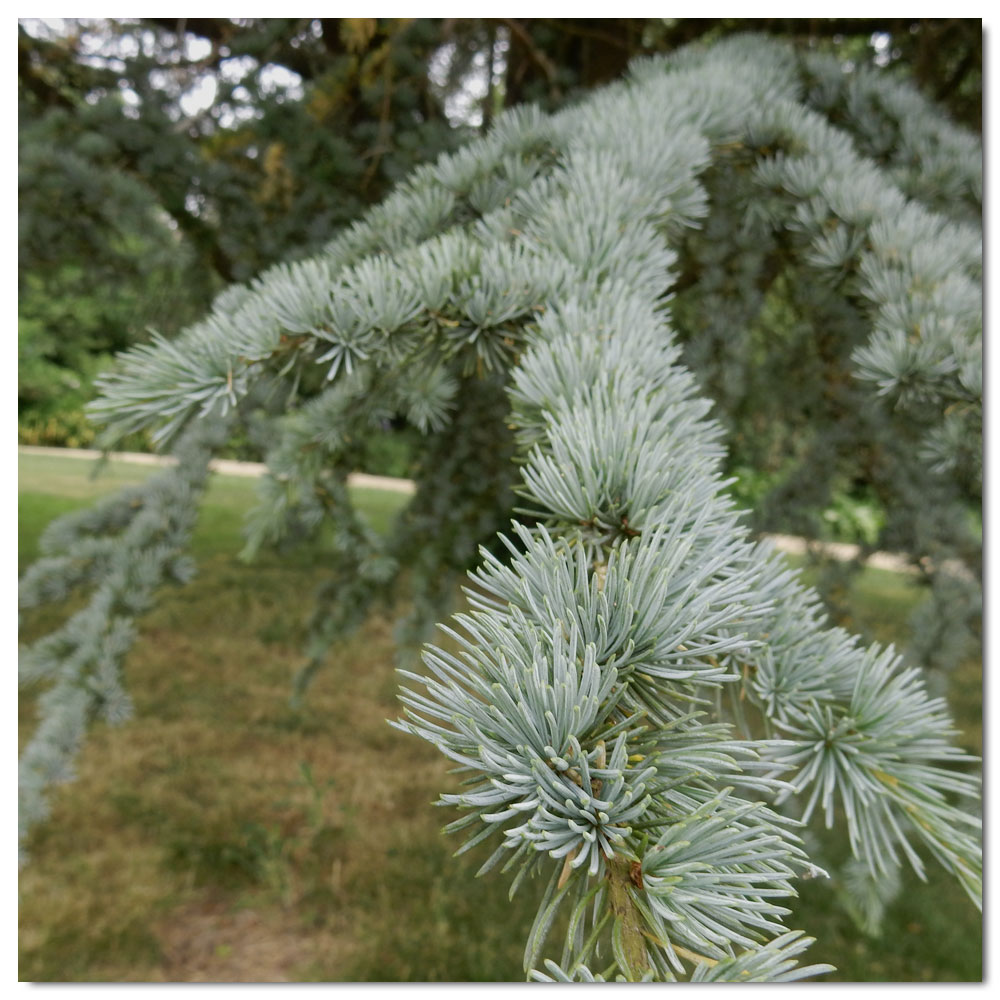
160	162
161	159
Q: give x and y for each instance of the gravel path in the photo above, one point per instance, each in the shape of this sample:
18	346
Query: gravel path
224	466
228	467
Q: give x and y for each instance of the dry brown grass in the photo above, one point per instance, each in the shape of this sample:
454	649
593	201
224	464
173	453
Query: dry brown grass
221	836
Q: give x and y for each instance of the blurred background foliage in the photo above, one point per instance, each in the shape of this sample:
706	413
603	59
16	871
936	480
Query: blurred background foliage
162	159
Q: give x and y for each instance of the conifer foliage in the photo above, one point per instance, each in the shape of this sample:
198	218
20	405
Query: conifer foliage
645	703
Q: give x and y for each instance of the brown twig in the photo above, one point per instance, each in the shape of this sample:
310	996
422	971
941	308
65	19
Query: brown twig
539	57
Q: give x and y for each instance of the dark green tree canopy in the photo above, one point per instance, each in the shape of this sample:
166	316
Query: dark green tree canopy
162	158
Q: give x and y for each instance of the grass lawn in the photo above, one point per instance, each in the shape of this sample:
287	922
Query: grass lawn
221	836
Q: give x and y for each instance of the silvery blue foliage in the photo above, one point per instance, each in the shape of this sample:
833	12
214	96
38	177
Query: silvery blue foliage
122	551
514	301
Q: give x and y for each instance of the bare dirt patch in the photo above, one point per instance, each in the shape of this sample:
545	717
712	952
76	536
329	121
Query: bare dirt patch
210	941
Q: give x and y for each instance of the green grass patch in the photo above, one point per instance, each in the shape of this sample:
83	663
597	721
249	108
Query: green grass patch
51	485
221	836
